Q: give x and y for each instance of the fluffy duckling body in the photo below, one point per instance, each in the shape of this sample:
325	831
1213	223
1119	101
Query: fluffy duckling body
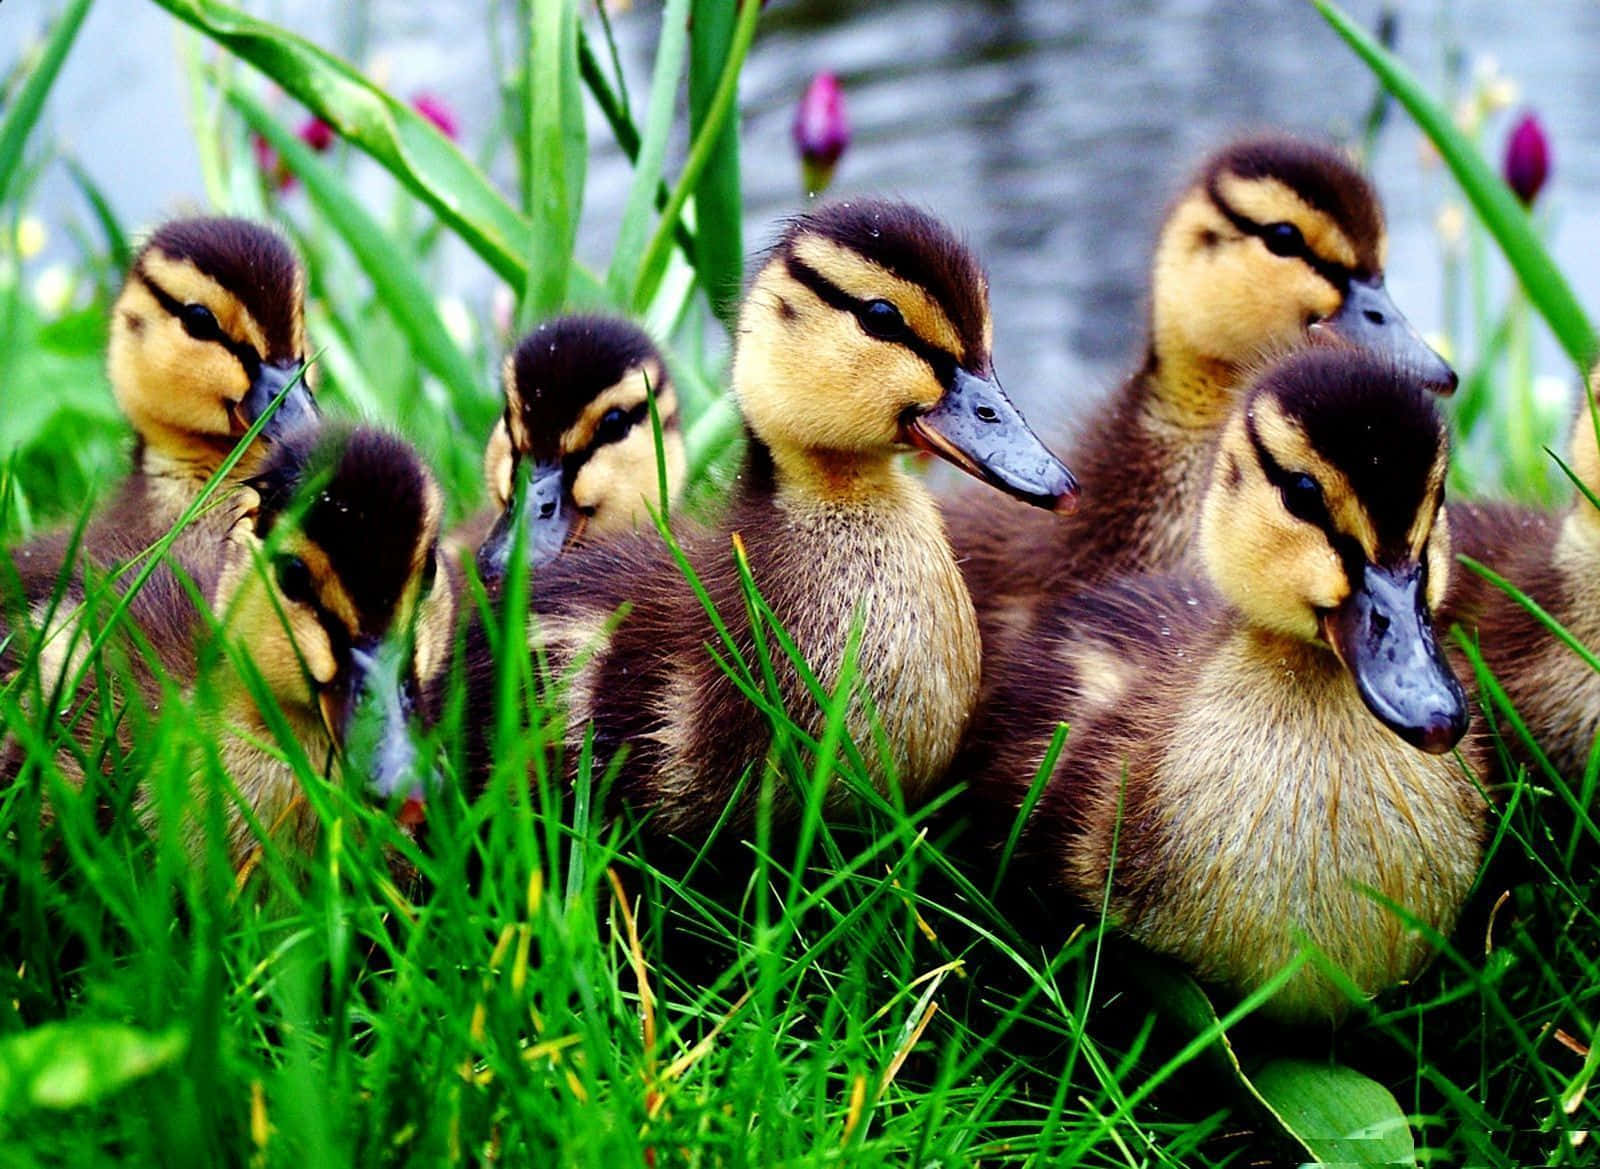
577	425
1276	243
1251	749
1553	557
341	604
865	332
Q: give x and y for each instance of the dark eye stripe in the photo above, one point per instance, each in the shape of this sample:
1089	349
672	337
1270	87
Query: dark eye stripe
942	363
244	352
1346	547
1334	273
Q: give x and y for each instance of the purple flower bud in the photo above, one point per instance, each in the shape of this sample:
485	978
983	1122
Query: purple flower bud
273	168
437	112
316	134
821	130
1527	163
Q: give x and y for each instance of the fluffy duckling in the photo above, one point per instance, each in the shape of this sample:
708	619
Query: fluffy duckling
1253	750
865	332
207	331
1276	243
344	609
1553	557
577	415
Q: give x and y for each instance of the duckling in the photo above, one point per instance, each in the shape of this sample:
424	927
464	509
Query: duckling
343	607
866	332
1553	557
577	413
1255	747
1275	244
206	332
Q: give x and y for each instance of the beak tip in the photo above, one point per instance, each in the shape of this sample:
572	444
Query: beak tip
1066	502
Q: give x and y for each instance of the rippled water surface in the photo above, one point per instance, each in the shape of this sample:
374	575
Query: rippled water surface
1051	132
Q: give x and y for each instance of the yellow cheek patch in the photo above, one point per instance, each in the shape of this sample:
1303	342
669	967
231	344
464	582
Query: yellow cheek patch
620	479
862	279
1271	201
1425	523
185	283
497	463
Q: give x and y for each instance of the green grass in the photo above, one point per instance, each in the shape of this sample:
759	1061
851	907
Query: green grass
527	983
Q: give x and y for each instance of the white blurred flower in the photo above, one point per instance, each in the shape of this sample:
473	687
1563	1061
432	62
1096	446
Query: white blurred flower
1552	395
1440	344
1451	224
53	289
456	319
31	236
1503	94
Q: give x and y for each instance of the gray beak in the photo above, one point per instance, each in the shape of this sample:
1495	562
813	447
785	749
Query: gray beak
1370	320
375	706
547	519
297	408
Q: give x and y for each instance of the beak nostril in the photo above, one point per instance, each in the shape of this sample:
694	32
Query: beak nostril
1374	316
988	414
547	509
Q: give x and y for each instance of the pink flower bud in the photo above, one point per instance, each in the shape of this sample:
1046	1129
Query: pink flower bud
273	168
1527	164
437	112
821	130
317	134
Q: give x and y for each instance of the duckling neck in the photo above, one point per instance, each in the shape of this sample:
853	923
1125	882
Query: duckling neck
188	464
812	478
1186	390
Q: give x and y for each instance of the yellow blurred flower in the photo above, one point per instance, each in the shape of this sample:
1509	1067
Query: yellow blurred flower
31	236
53	289
1451	224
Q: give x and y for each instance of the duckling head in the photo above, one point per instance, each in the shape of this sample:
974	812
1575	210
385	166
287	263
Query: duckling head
207	332
1276	243
352	615
577	417
866	331
1323	521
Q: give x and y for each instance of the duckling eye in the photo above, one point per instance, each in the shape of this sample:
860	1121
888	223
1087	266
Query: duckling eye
430	575
200	323
613	425
1283	239
294	579
882	320
1302	496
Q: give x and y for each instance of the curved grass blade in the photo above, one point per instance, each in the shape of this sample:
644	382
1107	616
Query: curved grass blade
395	282
1494	202
29	101
719	211
555	146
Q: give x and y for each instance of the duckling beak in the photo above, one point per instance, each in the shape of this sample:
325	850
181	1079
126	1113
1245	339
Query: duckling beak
369	711
1384	636
1370	320
549	521
976	427
297	408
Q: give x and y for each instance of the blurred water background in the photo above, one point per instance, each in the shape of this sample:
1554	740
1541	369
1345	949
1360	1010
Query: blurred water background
1052	134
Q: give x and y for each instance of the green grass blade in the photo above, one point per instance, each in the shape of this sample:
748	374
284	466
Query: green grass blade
652	156
29	101
117	249
1494	202
723	102
719	257
555	157
395	282
1342	1116
406	144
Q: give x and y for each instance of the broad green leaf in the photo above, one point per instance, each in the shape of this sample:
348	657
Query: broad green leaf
637	214
1342	1116
1494	202
29	102
556	157
394	280
719	244
66	1065
406	144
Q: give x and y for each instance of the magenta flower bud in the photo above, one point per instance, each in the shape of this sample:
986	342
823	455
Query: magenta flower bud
316	134
273	168
437	112
1527	163
821	130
